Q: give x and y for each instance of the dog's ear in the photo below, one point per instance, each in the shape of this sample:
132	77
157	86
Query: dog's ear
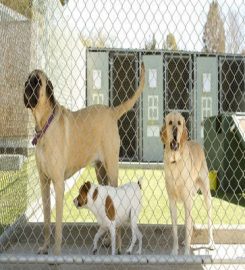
184	136
84	189
163	134
50	92
83	193
87	186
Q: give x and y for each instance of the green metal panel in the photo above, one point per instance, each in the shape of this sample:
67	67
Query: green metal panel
153	108
207	92
97	78
224	146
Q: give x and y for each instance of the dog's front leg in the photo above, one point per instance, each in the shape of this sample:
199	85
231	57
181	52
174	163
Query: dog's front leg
188	225
59	197
173	212
45	191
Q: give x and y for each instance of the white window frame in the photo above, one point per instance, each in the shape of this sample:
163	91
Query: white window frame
97	79
207	111
98	98
152	78
153	110
206	82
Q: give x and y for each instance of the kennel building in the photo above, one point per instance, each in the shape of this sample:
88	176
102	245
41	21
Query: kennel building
197	85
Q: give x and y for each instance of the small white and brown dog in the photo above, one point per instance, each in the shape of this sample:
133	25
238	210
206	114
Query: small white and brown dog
113	207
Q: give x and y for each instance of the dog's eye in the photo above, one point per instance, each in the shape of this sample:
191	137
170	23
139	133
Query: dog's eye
170	123
179	123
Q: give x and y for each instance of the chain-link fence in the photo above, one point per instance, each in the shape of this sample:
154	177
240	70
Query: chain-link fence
88	53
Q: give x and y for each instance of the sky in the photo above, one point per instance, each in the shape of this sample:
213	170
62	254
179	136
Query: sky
128	23
131	22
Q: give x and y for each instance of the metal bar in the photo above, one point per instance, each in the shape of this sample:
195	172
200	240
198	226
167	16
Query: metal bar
108	259
118	259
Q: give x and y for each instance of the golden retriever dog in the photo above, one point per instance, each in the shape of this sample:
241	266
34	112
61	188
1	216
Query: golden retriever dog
185	172
67	141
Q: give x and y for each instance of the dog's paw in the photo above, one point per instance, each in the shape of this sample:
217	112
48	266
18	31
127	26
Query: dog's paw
138	252
94	251
129	252
174	252
106	242
42	251
119	252
187	251
211	246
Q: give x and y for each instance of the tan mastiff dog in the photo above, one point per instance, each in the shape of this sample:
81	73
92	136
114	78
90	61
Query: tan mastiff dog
185	172
67	141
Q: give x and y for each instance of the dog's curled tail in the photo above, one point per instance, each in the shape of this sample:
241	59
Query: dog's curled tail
127	105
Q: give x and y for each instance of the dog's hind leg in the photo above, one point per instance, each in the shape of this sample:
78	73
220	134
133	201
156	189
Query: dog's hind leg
112	171
188	224
101	175
136	234
111	157
205	189
45	191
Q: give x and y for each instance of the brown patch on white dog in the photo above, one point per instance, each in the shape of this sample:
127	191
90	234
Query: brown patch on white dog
83	194
109	208
95	194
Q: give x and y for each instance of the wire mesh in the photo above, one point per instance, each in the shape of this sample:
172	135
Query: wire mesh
91	53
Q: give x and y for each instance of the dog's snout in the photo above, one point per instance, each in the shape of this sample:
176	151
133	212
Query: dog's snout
175	133
31	91
174	145
75	201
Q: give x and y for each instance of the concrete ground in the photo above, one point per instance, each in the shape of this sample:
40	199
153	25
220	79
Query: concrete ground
19	252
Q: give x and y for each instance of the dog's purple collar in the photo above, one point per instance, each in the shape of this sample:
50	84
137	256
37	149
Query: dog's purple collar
41	132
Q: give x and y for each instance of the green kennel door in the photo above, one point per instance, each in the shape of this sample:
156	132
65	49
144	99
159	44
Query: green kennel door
97	78
207	92
153	108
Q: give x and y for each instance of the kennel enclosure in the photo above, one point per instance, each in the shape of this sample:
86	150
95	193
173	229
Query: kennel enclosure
207	88
192	83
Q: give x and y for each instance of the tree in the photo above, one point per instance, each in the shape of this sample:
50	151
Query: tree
151	45
98	40
214	33
170	43
234	36
63	2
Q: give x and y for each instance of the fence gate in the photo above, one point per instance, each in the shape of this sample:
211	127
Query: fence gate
98	78
123	82
179	92
207	92
153	108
